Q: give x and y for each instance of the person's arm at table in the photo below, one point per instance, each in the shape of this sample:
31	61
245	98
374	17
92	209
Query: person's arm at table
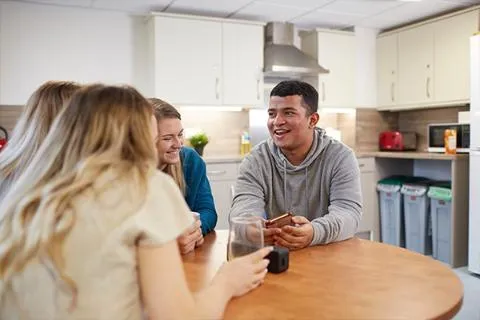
163	284
249	196
345	209
199	193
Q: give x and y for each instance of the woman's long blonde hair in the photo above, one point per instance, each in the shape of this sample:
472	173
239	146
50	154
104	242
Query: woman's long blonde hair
164	110
103	128
32	127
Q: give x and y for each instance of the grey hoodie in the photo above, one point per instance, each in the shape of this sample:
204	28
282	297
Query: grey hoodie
324	188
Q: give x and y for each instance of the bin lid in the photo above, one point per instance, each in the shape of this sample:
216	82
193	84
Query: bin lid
388	187
393	180
443	184
414	189
440	193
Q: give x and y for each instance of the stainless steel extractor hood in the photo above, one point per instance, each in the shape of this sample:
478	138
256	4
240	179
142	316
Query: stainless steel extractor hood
282	58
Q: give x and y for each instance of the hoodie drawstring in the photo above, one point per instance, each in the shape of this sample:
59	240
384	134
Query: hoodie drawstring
306	191
285	184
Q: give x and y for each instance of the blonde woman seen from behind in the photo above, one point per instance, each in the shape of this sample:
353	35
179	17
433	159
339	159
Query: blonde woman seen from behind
89	230
31	129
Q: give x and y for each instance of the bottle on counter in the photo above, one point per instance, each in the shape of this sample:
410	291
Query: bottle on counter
450	140
245	144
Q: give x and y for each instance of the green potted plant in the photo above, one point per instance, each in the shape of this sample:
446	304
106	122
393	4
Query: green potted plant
198	141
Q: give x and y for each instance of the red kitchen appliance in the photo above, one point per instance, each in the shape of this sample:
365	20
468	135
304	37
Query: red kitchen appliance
397	141
3	141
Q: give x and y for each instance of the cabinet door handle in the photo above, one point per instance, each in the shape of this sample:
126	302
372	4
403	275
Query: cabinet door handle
323	92
428	87
232	193
258	88
216	172
217	82
361	165
392	91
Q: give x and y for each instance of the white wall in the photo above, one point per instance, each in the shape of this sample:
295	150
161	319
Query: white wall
43	42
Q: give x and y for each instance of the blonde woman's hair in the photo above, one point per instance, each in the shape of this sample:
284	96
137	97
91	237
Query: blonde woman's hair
102	129
41	109
164	110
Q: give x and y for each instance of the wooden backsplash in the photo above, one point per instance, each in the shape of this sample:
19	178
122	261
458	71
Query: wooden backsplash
418	120
9	116
370	122
360	133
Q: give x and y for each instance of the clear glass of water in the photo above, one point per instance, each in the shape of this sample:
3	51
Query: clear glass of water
245	236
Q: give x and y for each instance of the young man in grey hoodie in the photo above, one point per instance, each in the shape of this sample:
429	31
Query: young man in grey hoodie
300	170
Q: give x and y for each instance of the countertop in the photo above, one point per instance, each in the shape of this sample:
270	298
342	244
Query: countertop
411	155
223	159
363	154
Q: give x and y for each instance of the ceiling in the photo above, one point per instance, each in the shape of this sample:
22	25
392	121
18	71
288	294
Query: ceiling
336	14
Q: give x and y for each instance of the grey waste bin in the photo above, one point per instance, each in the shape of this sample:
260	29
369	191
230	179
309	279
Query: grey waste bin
441	211
391	220
418	227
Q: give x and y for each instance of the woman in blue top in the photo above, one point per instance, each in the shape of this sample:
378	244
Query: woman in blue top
188	170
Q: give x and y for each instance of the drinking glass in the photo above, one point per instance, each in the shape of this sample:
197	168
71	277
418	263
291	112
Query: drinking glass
245	236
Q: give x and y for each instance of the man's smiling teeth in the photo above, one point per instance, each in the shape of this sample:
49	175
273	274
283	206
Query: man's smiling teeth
280	131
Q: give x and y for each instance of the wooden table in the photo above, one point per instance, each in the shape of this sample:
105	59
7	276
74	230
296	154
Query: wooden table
353	279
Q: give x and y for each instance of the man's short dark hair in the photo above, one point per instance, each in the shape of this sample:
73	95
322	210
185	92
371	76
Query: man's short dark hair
298	88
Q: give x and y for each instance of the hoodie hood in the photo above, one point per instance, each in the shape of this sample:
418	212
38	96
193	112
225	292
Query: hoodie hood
320	141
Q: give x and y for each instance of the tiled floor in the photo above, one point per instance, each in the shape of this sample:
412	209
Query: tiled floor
471	301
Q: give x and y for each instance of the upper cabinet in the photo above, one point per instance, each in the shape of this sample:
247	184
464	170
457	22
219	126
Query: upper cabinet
415	65
427	64
187	61
201	61
335	51
452	56
242	72
387	74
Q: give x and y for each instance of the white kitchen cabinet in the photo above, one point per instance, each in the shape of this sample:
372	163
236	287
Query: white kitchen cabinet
452	56
415	65
335	51
222	177
188	61
430	60
370	223
40	43
206	61
242	71
387	75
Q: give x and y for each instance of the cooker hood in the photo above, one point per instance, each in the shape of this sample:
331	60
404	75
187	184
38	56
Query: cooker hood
282	59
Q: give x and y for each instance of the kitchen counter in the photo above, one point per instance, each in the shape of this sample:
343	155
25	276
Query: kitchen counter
362	154
223	159
411	155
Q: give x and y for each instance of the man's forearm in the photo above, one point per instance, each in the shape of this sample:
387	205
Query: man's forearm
335	226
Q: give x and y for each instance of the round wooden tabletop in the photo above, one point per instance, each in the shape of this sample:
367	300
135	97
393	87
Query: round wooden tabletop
353	279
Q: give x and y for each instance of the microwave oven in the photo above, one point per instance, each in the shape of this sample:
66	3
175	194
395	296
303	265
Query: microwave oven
436	132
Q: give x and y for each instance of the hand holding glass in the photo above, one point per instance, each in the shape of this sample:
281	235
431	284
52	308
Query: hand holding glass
245	236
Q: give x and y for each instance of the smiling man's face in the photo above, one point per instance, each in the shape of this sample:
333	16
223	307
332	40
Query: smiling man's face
288	123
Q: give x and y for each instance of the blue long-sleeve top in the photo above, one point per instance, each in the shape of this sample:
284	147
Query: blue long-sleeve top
198	193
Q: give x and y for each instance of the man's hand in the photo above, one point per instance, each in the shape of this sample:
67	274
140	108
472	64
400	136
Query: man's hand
191	238
269	235
253	234
297	237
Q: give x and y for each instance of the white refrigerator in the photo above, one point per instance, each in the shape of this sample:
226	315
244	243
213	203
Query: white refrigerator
474	207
